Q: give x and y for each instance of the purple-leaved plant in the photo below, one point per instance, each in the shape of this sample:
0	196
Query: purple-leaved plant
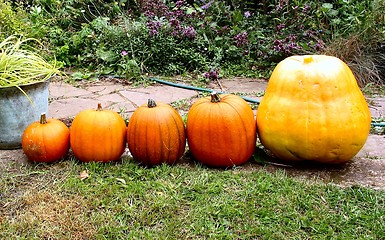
240	39
189	32
207	5
213	74
287	46
154	27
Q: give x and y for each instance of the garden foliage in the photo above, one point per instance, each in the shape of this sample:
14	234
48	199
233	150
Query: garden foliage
12	19
131	37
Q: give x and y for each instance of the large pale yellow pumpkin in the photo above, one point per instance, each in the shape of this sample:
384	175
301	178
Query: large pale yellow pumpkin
313	110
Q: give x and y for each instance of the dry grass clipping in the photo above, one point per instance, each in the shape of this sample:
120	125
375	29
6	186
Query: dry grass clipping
366	64
52	216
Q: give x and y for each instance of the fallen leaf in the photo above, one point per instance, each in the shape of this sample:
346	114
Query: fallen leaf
83	175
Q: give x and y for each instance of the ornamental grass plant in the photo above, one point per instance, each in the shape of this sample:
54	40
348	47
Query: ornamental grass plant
20	65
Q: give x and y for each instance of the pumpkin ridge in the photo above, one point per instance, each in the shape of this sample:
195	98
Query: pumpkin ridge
168	139
156	137
219	112
147	155
213	130
161	154
42	143
171	135
182	141
96	135
48	128
36	146
208	126
115	148
169	128
241	126
224	110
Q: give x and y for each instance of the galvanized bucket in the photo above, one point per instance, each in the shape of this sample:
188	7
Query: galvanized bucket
17	112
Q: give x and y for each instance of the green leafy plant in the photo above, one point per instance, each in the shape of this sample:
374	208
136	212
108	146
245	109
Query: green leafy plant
12	20
242	38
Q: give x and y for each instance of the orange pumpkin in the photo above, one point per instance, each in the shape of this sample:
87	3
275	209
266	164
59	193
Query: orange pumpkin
47	140
221	130
313	110
156	134
98	135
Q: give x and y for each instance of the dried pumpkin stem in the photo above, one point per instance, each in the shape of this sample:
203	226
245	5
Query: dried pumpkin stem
215	97
151	103
99	107
43	118
308	59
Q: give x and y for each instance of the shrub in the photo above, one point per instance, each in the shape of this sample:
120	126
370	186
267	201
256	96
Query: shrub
12	20
243	38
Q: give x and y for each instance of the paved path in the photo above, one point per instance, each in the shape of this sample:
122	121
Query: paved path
66	100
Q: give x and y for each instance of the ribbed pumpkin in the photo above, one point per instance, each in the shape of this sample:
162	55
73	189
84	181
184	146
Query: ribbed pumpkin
98	135
47	140
221	130
313	110
156	134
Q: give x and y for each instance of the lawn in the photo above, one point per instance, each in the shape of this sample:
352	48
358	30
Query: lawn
123	200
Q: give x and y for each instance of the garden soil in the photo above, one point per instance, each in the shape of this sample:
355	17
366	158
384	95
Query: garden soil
367	168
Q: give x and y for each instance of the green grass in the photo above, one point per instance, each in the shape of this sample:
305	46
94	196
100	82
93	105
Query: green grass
186	201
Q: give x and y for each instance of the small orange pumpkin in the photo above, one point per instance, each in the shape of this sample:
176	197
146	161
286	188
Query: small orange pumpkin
156	134
221	130
47	140
98	135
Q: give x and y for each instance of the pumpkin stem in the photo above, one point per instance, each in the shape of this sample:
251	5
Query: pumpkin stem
151	103
43	118
308	59
215	97
99	107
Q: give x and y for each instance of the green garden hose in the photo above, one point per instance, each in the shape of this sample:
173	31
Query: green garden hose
197	89
374	124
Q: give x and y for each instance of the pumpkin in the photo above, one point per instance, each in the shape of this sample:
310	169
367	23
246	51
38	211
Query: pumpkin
156	134
47	140
98	135
221	130
313	110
